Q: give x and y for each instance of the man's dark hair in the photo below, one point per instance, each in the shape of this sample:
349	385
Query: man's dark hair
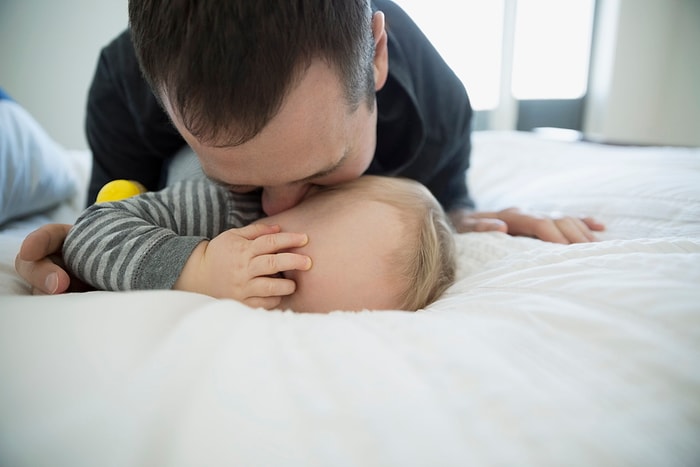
227	65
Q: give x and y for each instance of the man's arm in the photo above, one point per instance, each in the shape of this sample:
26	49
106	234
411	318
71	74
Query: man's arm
130	137
129	134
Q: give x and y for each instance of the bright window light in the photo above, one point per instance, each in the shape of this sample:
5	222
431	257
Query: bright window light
552	48
469	35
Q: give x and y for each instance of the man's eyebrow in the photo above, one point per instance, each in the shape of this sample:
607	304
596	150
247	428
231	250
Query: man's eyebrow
226	185
326	171
310	178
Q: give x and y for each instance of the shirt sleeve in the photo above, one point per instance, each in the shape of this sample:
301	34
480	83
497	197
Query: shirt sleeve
129	134
448	183
424	115
143	242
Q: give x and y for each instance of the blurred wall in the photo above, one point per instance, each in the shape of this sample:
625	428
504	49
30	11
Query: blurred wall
644	77
645	74
48	53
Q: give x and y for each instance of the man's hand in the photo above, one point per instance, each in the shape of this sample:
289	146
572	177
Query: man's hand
245	264
40	263
467	221
556	229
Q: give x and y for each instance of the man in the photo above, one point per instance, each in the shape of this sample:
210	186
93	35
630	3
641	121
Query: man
281	96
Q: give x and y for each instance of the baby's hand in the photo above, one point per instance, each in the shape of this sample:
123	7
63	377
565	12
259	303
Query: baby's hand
243	264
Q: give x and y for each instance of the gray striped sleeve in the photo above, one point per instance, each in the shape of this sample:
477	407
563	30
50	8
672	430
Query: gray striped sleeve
144	242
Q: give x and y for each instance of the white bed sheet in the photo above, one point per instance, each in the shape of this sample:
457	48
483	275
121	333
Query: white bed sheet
539	355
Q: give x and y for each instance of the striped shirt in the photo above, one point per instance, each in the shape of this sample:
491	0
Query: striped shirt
143	242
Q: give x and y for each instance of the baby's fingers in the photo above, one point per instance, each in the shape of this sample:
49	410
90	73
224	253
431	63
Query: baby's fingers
275	242
267	303
269	287
269	265
253	231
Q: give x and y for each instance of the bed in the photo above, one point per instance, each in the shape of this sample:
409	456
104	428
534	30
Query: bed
539	354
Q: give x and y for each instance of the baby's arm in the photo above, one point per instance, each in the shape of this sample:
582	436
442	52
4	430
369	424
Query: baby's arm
251	279
144	242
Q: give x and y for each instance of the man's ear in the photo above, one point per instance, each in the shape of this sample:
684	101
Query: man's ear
381	50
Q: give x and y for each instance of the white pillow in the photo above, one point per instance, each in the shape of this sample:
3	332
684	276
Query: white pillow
35	172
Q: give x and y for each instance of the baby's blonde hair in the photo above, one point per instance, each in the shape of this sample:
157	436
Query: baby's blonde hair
426	258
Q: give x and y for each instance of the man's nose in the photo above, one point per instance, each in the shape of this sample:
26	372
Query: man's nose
278	199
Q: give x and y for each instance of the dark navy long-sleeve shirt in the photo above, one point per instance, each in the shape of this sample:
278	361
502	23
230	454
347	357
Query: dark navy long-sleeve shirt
423	128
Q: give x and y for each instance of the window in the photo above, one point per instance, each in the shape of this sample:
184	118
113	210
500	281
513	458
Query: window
552	48
532	49
469	36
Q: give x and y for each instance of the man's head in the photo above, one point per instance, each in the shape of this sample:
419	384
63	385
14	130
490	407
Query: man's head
376	243
272	94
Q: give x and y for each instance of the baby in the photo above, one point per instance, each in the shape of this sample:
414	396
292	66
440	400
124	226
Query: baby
372	243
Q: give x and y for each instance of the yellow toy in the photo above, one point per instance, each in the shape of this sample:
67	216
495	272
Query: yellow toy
119	189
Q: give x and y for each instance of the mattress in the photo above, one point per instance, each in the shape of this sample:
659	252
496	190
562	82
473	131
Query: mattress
539	355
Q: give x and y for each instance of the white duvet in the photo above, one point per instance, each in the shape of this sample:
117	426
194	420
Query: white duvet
539	355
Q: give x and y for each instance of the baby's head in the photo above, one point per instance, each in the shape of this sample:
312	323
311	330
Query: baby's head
376	243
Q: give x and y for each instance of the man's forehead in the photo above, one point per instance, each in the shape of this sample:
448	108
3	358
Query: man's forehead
228	166
308	135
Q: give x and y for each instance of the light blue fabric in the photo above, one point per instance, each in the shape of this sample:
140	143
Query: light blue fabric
35	172
4	95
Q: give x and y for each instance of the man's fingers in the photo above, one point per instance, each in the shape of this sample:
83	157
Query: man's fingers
46	240
583	230
547	230
36	291
44	275
593	224
574	230
490	225
551	228
474	224
564	230
38	263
